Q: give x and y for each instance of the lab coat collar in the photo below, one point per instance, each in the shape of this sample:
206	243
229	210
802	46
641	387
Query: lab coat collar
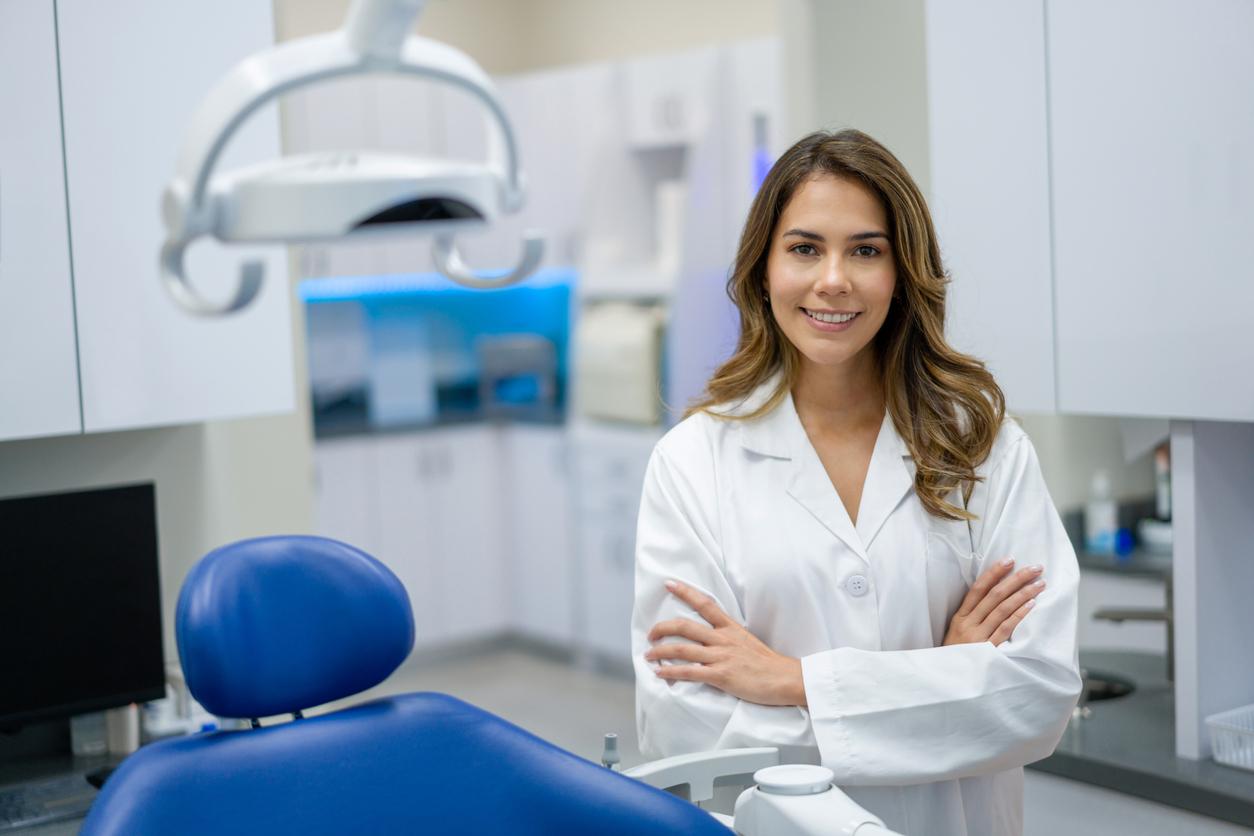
779	434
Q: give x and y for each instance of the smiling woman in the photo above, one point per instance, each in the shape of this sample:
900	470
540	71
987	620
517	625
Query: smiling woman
827	545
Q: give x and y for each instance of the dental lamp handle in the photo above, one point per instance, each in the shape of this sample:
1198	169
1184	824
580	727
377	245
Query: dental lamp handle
448	260
187	205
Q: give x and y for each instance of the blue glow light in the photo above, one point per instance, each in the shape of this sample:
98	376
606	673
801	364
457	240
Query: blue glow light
369	288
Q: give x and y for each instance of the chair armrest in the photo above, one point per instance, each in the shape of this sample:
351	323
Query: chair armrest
700	770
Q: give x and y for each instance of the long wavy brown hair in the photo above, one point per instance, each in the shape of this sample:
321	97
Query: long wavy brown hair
945	404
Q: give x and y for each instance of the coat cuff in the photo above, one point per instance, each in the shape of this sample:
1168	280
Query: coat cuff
824	696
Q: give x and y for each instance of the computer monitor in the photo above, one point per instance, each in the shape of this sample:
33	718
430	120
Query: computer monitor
80	603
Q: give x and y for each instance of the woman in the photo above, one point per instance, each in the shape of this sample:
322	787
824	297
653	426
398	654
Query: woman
828	543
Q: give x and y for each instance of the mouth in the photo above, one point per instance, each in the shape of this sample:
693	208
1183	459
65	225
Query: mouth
833	317
831	320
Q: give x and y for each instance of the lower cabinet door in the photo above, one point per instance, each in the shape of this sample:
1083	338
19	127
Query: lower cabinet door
538	534
607	557
466	494
409	535
345	494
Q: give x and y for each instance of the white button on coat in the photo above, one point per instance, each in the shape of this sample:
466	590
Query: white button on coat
931	739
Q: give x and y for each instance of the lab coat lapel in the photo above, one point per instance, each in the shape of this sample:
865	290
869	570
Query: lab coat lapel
889	479
808	482
779	434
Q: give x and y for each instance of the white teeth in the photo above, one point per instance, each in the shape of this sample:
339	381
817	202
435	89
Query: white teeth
822	317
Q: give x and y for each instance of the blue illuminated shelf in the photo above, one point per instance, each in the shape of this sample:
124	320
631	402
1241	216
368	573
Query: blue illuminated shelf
370	288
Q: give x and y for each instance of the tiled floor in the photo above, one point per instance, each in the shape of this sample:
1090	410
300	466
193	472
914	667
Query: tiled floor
566	706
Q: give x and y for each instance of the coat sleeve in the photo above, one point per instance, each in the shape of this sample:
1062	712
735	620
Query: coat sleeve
915	716
677	538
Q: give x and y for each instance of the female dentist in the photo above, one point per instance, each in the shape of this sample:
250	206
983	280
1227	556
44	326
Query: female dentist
838	542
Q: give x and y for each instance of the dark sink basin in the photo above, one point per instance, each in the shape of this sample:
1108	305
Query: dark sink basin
1099	685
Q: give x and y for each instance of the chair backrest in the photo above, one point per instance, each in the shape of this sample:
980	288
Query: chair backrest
251	620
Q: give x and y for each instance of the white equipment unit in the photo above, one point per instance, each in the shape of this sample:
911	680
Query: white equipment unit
321	196
784	799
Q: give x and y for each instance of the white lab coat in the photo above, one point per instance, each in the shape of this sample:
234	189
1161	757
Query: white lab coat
931	739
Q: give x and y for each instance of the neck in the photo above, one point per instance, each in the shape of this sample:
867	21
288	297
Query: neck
840	398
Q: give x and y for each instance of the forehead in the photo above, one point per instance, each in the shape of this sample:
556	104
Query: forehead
833	205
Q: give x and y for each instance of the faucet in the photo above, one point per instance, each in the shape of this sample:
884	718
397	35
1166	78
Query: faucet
1122	614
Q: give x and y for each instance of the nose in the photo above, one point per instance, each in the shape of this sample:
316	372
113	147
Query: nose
833	280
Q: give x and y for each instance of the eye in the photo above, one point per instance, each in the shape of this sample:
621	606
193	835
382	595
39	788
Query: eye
809	249
866	251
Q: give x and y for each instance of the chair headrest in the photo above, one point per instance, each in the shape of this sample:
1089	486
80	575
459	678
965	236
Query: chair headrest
280	624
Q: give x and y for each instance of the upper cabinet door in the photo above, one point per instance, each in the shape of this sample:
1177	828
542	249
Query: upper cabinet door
133	73
990	188
38	366
668	97
1152	129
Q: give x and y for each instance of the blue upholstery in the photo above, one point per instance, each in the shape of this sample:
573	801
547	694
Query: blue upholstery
312	620
412	764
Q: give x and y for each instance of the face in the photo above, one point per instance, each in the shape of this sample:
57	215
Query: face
830	271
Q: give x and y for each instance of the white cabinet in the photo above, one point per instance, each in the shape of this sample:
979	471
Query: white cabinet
669	97
610	465
465	497
38	360
132	75
1152	138
475	521
539	533
990	188
428	505
346	496
439	529
1103	138
403	469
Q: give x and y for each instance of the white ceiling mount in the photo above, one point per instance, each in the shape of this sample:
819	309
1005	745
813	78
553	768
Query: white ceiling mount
322	196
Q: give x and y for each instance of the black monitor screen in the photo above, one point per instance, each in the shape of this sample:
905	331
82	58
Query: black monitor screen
80	603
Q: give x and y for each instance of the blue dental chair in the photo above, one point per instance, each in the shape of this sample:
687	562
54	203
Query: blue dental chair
280	624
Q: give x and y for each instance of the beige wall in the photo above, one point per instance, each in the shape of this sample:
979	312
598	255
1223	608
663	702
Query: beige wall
512	36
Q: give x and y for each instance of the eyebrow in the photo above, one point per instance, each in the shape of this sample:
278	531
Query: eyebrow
814	236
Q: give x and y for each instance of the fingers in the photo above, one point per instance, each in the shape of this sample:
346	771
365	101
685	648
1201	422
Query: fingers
699	601
682	653
1011	605
986	581
1002	633
684	628
1004	589
687	673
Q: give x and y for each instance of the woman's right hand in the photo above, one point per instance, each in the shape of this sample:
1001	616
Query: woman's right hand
995	604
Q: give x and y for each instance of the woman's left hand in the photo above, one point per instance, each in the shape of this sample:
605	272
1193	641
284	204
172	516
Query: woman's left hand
725	655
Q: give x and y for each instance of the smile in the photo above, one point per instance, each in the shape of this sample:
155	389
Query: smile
830	321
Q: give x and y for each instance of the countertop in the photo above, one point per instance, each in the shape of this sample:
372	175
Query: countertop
1128	745
1140	563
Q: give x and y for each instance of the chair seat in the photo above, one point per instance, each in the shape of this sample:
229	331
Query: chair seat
414	764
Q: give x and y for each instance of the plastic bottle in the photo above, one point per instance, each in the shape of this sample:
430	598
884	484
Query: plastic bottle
1100	516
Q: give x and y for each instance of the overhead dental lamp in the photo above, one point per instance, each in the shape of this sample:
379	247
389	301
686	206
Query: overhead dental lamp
334	195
